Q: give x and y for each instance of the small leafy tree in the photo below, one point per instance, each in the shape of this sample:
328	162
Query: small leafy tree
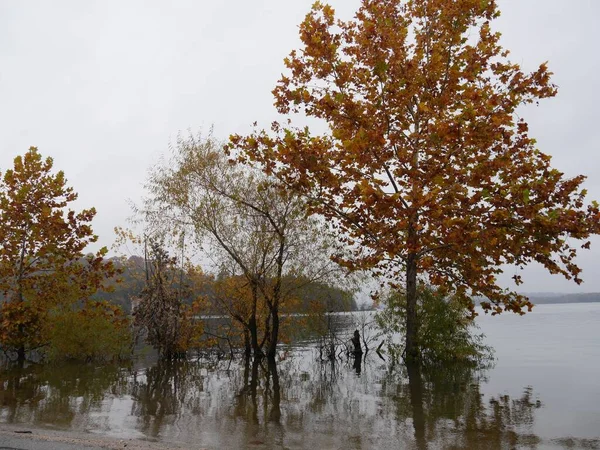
447	332
249	225
42	265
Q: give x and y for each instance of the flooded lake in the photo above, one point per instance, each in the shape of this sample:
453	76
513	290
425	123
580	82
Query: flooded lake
542	393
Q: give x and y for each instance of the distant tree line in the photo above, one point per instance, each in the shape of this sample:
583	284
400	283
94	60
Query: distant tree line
125	288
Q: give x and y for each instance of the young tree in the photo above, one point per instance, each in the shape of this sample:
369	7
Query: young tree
162	291
161	312
426	168
250	226
42	264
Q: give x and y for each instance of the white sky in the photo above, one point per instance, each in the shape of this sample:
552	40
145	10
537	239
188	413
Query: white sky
104	86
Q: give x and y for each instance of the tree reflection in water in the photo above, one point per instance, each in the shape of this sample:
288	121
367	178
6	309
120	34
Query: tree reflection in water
447	406
296	402
331	405
65	396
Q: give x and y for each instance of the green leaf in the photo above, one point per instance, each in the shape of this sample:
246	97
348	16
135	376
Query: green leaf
380	68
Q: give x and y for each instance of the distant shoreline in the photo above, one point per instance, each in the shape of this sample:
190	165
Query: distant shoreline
560	302
547	298
555	298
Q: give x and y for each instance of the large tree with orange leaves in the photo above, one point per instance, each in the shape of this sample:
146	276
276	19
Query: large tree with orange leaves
426	169
42	264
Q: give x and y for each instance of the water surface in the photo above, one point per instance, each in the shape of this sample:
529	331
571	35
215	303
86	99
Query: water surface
543	393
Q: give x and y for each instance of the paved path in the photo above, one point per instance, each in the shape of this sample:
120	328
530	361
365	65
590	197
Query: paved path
8	442
24	438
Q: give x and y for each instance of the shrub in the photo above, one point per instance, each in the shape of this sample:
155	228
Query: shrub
446	330
99	331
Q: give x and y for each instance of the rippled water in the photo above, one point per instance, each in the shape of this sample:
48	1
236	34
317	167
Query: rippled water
543	393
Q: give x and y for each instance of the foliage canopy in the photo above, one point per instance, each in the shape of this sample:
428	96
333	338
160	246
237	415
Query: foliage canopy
42	265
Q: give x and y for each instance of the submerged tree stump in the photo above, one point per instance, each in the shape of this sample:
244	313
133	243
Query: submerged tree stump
356	342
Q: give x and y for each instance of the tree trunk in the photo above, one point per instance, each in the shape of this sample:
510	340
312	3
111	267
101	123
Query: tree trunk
247	344
272	350
21	355
254	337
275	413
267	336
415	385
253	389
252	325
274	305
412	344
246	371
21	349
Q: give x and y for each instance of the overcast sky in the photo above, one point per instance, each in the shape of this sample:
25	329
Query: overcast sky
104	86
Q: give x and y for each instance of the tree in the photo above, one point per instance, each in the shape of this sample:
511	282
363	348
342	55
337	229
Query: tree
249	225
426	169
42	264
168	322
